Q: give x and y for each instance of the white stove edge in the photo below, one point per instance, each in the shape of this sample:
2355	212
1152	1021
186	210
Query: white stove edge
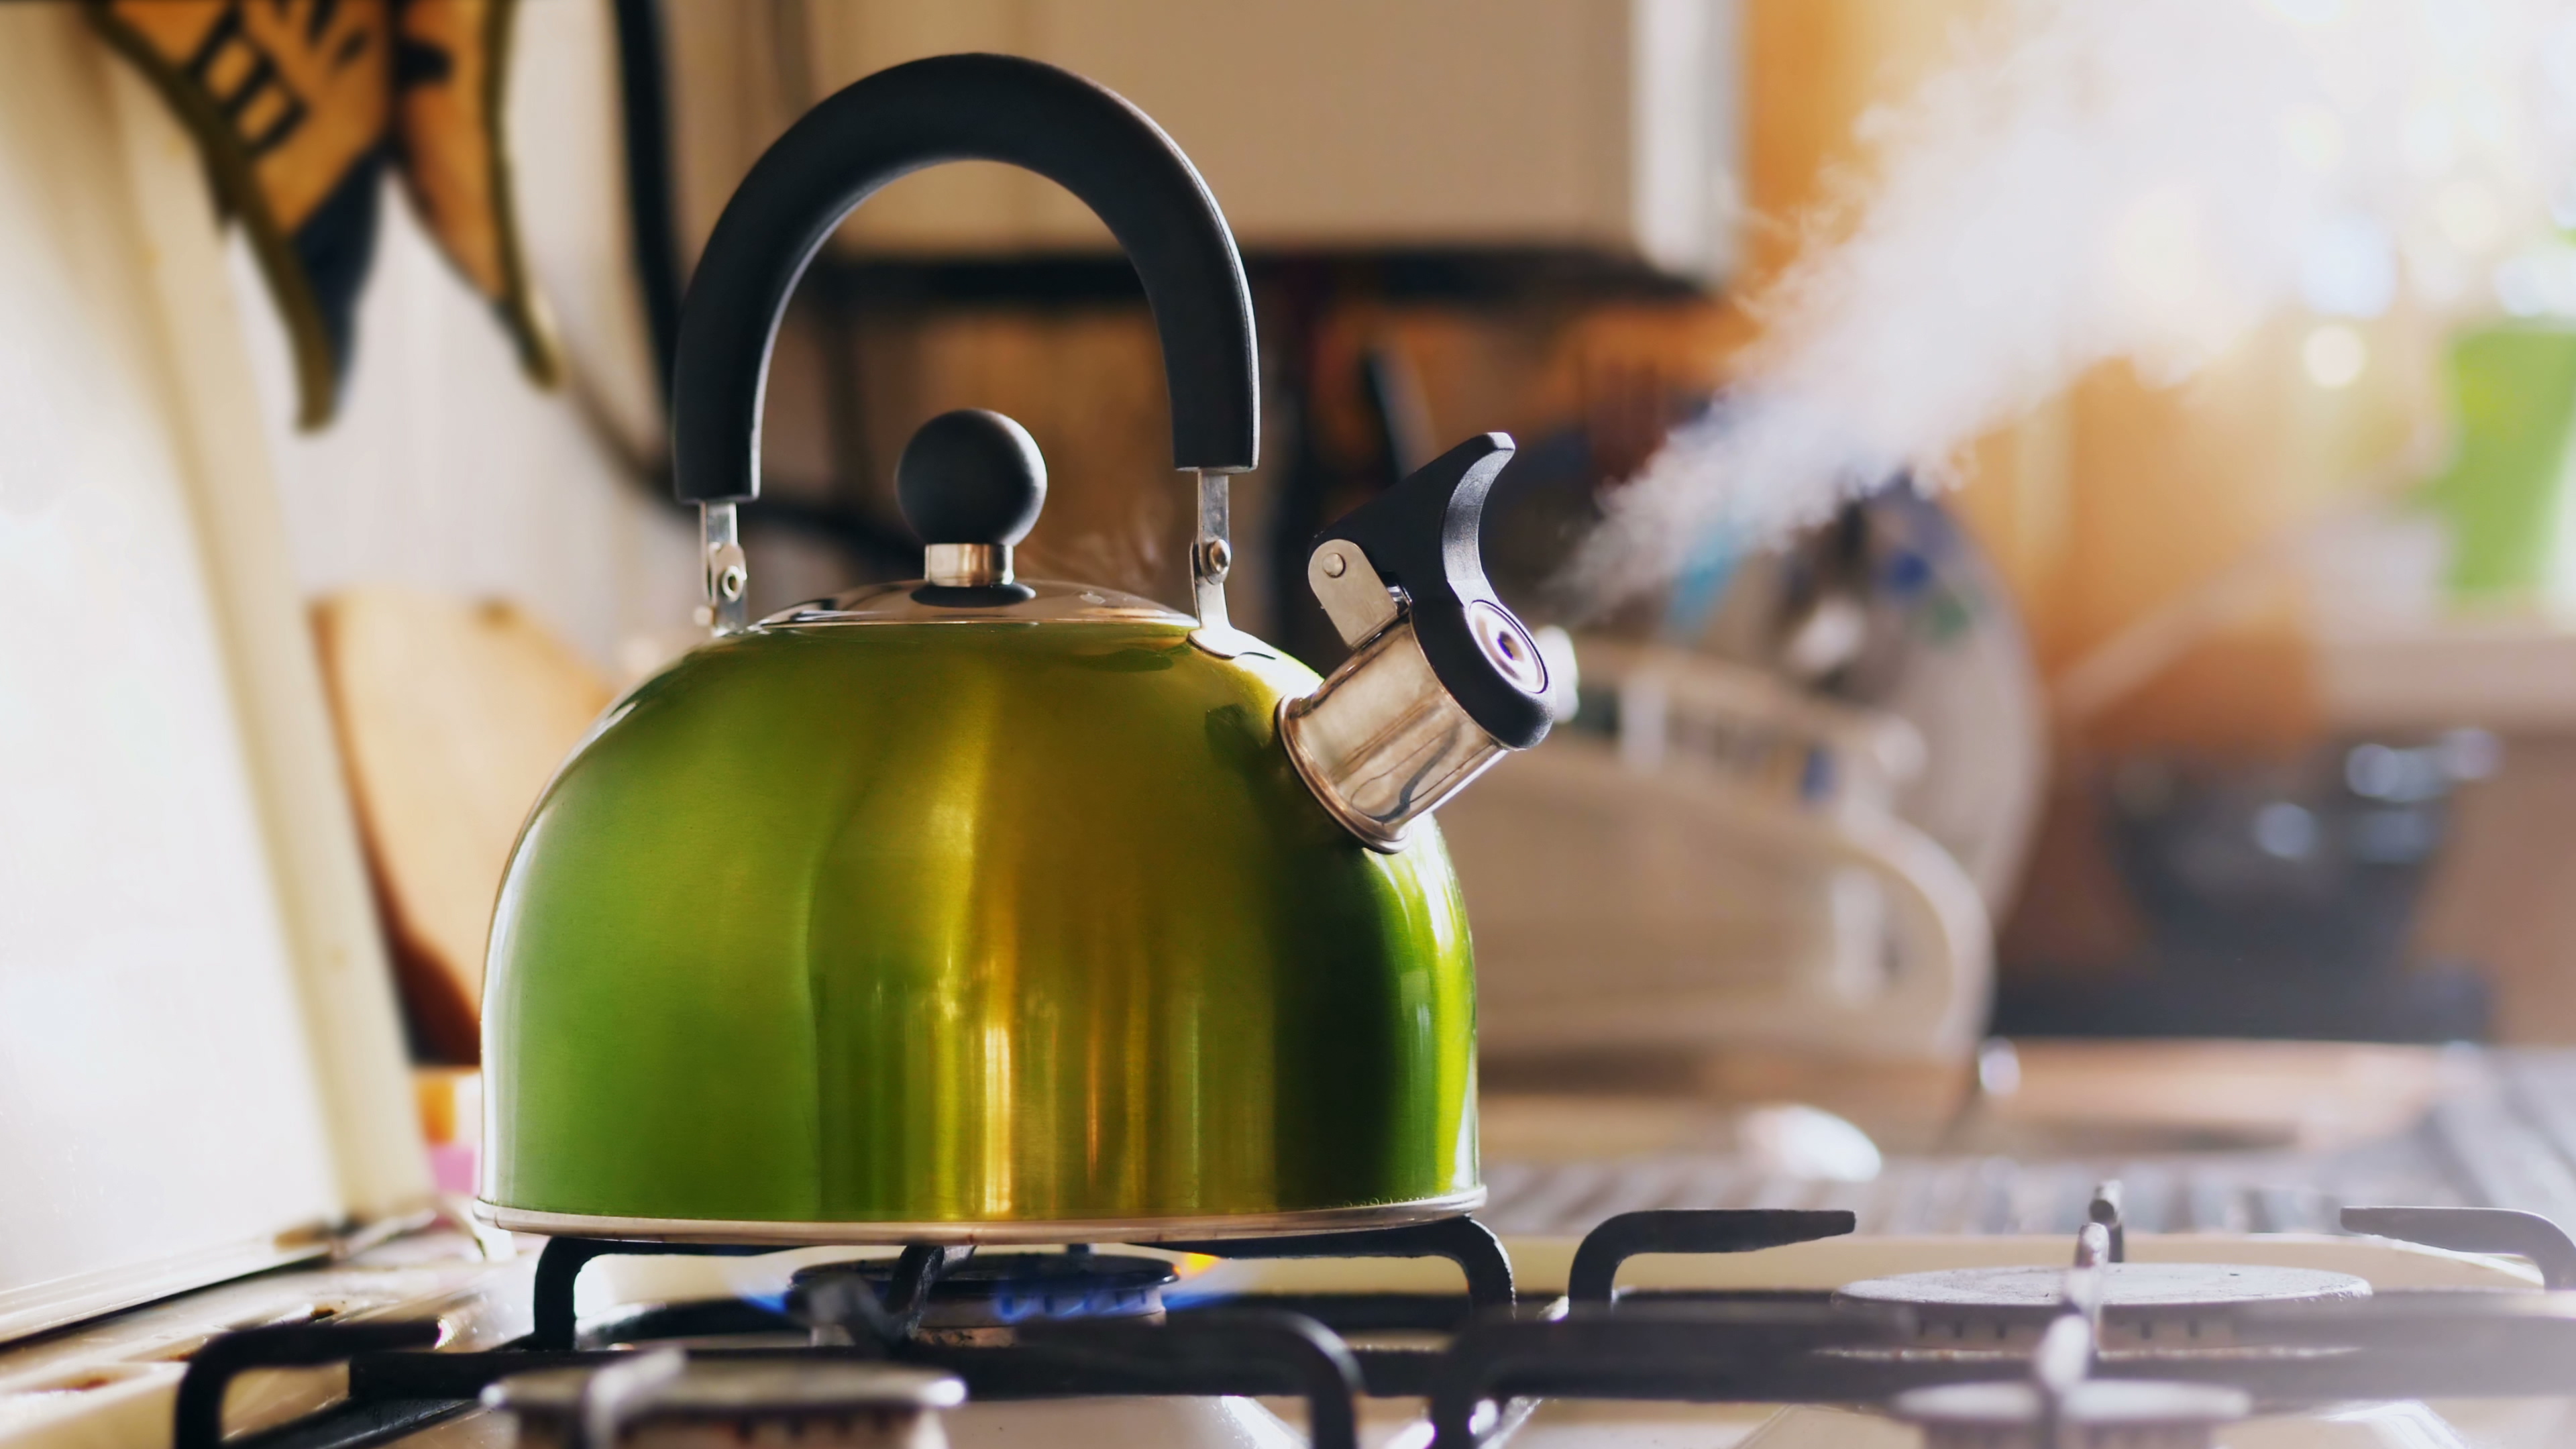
2403	1424
110	1384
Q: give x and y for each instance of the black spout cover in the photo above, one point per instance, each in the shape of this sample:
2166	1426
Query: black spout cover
1424	536
964	108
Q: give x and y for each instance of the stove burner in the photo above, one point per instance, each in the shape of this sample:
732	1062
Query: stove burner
2093	1414
2062	1405
664	1401
2144	1305
985	1298
1462	1240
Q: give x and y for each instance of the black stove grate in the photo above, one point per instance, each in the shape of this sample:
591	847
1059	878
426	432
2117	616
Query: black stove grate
1600	1343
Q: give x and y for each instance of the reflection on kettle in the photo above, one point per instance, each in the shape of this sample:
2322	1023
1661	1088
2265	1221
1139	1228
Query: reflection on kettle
975	908
1720	862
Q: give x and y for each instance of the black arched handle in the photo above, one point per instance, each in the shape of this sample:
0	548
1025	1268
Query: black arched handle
964	108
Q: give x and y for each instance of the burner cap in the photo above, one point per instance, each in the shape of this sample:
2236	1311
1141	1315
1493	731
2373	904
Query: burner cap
2132	1414
818	1386
2144	1305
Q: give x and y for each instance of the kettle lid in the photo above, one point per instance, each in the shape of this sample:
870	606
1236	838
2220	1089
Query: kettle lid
1024	601
971	484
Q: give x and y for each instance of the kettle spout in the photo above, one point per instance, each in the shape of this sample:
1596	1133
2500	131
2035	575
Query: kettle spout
1443	679
1381	743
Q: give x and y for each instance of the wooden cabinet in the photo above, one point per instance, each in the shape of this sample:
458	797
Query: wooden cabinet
1338	124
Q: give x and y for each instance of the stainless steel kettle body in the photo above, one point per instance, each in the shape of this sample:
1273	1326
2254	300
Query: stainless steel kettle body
982	909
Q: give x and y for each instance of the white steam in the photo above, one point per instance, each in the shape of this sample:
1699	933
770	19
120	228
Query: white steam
2139	179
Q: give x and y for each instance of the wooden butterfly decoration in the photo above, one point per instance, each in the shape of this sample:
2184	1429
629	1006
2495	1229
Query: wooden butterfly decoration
299	107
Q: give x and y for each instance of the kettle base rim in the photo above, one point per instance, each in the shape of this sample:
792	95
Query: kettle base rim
1202	1228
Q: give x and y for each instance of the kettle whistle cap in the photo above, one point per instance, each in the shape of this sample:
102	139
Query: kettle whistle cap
1424	536
971	476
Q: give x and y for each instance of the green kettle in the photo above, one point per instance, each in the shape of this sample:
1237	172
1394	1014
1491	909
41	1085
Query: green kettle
981	909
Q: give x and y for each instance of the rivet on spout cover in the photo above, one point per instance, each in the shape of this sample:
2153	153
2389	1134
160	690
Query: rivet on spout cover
1443	677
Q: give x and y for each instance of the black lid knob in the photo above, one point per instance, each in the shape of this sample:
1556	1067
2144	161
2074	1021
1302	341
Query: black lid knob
971	476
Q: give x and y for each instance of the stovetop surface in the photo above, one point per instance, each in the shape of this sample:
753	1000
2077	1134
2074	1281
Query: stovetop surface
2479	1128
1726	1292
1759	1327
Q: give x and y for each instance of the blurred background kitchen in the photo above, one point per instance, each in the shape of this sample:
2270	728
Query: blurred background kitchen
2059	513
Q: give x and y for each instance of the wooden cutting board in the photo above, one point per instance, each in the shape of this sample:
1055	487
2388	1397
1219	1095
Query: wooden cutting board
452	716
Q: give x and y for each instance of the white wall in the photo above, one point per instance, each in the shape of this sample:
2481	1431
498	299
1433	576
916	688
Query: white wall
199	1054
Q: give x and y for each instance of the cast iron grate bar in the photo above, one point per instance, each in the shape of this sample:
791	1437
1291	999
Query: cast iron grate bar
197	1417
559	1269
1689	1230
2475	1230
1462	1240
355	1425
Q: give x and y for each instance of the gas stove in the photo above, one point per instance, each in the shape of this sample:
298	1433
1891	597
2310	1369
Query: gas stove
1769	1328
